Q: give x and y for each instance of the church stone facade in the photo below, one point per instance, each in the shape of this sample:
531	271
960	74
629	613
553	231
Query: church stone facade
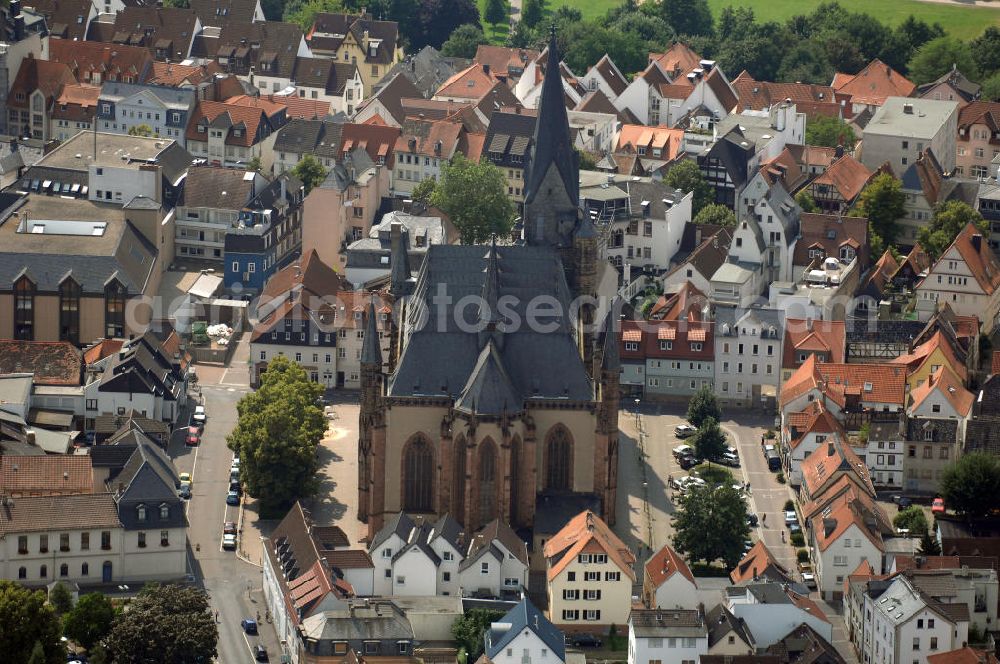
475	413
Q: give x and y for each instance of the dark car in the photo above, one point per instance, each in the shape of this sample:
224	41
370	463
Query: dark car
687	462
232	498
229	528
249	625
260	653
587	641
902	501
752	520
235	486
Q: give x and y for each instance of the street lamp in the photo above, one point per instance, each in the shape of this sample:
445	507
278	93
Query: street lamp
638	421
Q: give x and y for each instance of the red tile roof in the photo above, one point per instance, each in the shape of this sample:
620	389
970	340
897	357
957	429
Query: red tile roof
431	138
653	138
827	337
847	175
664	564
981	261
77	103
825	467
846	510
873	84
680	334
377	140
921	354
587	530
296	107
102	349
815	418
473	82
756	560
175	75
44	75
840	383
964	655
677	59
112	62
979	112
247	118
503	60
686	304
810	99
51	362
54	513
830	233
49	475
995	365
943	382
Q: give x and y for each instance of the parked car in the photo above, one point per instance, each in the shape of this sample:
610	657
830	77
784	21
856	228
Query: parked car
728	459
249	625
687	462
229	541
902	501
234	474
937	507
185	490
587	641
752	520
682	450
773	460
794	527
232	498
235	465
229	528
199	415
193	437
260	653
791	517
809	580
235	486
685	430
185	477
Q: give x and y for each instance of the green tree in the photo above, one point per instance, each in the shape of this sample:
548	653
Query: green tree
949	219
712	524
830	132
807	62
37	655
806	201
688	17
587	161
929	545
986	51
467	630
435	20
644	27
531	12
991	88
303	12
141	130
715	213
496	12
882	201
710	441
90	620
936	58
424	190
703	406
686	176
278	430
254	164
464	42
587	45
911	519
309	171
165	623
474	196
25	619
60	599
971	485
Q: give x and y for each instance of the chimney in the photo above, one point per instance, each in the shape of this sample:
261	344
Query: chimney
977	242
930	380
486	69
830	449
29	436
839	151
809	324
908	109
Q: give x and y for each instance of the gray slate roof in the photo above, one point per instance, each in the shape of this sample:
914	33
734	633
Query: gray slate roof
541	365
180	99
427	70
524	616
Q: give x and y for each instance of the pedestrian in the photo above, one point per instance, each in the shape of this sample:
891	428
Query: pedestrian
216	616
763	519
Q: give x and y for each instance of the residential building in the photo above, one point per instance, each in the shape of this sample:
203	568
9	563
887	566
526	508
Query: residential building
495	563
606	77
386	103
964	655
507	144
758	564
904	127
697	266
227	134
307	315
69	267
728	637
668	358
529	86
477	85
978	139
417	558
507	64
885	452
870	87
94	62
928	355
322	79
210	205
663	68
700	99
299	137
801	644
22	32
73	111
207	81
822	236
263	54
592	589
65	20
668	583
966	276
524	635
422	149
654	147
326	634
372	46
675	636
33	94
952	85
127	106
838	187
218	13
845	389
369	259
770	610
926	186
804	432
427	69
168	33
813	100
748	353
825	339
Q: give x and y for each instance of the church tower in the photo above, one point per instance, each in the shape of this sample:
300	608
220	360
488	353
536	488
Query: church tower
552	173
371	421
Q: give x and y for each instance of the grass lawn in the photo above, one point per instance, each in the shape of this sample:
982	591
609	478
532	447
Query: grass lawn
961	22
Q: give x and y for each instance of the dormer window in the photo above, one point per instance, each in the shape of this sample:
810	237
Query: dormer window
164	511
140	512
237	133
202	129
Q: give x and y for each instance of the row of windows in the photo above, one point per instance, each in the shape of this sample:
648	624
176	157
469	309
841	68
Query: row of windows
696	346
70	293
64	543
756	348
753	368
574	594
43	570
592	615
594	576
692	384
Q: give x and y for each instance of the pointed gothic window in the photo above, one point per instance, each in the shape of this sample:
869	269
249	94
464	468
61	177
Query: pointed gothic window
458	483
559	460
487	481
418	475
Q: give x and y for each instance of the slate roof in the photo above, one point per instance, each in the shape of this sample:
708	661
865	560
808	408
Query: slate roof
508	139
497	531
66	19
323	73
426	69
524	616
173	98
391	95
218	188
328	31
220	12
721	622
804	645
156	27
525	273
317	137
272	43
968	90
148	478
50	362
48	513
400	524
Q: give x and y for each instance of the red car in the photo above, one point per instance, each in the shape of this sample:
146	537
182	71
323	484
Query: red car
937	507
193	437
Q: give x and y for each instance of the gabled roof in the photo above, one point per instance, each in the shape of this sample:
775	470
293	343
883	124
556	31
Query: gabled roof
664	565
980	112
324	73
43	75
921	354
881	273
329	30
49	475
67	19
808	98
978	257
878	383
489	390
391	95
677	59
498	531
814	418
523	617
504	60
823	468
847	175
964	655
111	61
611	75
172	74
665	139
220	12
873	84
917	261
850	509
943	382
49	362
753	564
587	530
723	90
49	513
828	337
274	44
232	116
831	232
168	28
967	89
708	256
432	138
473	82
687	303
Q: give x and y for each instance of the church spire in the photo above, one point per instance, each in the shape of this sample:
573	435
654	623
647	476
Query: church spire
371	352
399	261
491	287
552	145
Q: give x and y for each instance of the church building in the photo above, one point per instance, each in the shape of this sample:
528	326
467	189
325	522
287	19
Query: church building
476	411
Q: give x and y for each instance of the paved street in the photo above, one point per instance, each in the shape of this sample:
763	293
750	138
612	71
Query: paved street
225	577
